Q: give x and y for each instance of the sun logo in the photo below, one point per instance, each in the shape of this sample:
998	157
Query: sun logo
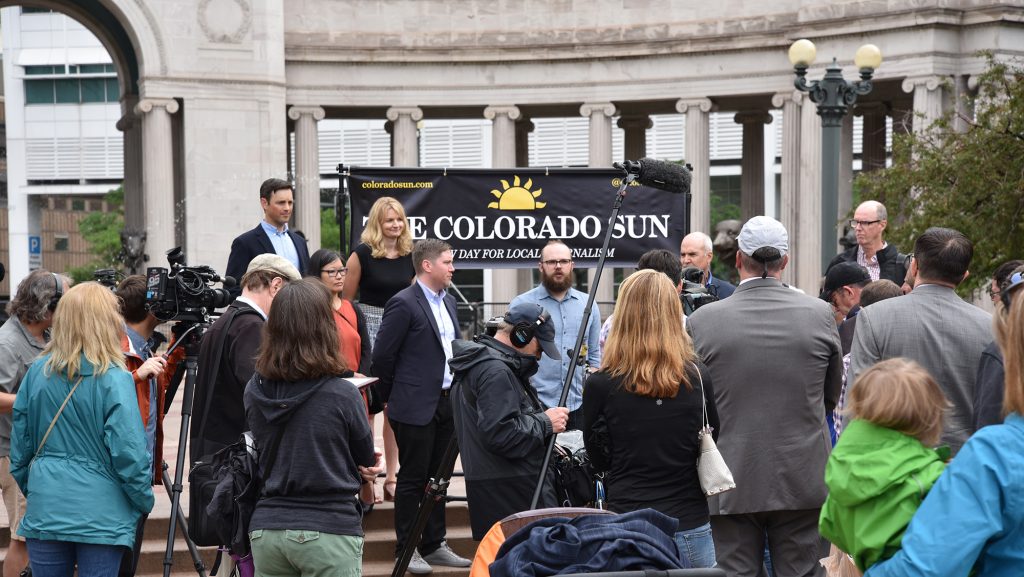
516	197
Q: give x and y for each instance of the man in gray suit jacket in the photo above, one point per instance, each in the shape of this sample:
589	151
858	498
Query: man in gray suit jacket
932	326
775	359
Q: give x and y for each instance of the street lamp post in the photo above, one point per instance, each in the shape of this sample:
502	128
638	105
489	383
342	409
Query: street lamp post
834	97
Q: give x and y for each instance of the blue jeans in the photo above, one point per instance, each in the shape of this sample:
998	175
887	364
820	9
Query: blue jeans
58	558
696	546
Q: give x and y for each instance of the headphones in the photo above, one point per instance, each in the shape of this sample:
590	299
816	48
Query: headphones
57	292
524	331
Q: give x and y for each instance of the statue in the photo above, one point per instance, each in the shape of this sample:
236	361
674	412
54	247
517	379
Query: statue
849	239
133	250
725	247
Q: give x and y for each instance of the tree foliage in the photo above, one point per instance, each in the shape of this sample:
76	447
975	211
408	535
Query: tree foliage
102	232
970	180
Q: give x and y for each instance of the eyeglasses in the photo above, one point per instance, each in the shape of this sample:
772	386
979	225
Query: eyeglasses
560	262
335	272
855	222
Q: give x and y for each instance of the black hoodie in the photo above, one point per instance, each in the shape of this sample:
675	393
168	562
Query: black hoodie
314	479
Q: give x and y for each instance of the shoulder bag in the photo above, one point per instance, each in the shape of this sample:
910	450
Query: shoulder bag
715	476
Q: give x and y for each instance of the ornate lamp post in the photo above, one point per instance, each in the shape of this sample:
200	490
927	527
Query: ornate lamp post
834	96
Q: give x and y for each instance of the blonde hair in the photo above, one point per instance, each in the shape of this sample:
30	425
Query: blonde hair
1009	329
373	234
900	394
647	346
86	322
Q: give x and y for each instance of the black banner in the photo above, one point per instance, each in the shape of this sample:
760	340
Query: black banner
501	218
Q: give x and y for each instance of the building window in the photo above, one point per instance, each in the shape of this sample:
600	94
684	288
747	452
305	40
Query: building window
71	90
28	10
60	242
40	70
78	204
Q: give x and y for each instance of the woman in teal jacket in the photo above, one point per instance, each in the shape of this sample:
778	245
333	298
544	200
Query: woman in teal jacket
87	478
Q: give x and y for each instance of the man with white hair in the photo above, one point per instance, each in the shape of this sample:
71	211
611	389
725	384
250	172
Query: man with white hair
697	250
774	357
881	259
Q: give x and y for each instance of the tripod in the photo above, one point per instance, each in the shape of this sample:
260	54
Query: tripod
436	491
191	339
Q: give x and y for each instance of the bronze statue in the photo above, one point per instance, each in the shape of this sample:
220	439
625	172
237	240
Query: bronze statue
725	247
133	249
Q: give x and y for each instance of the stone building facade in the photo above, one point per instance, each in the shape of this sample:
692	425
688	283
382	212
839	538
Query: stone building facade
212	88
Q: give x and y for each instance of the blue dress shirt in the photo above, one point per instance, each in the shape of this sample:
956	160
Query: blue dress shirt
566	316
283	244
444	324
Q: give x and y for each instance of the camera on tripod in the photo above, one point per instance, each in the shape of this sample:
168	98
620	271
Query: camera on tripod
107	277
183	293
695	293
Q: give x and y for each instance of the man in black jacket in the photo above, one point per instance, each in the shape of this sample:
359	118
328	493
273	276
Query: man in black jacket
882	260
502	426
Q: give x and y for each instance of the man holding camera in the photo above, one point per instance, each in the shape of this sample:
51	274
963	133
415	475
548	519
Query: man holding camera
502	426
227	357
697	251
152	375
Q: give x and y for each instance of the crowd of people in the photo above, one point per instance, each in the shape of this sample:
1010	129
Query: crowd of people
877	424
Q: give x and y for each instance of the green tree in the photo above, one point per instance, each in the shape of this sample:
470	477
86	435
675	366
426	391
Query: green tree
971	181
102	231
330	232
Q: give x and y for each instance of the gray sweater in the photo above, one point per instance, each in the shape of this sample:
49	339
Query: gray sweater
325	435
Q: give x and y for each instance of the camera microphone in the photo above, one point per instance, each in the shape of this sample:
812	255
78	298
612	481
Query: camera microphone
666	176
229	282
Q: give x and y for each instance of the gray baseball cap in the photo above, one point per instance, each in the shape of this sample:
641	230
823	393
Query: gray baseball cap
761	232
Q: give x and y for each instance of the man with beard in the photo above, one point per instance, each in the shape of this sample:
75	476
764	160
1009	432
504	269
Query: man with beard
565	305
501	425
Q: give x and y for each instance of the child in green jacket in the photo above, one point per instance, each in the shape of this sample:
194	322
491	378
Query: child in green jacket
881	468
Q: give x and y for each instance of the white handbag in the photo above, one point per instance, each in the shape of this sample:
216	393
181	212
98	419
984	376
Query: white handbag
715	476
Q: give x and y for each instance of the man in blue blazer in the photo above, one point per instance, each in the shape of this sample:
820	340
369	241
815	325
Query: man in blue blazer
697	250
410	357
271	235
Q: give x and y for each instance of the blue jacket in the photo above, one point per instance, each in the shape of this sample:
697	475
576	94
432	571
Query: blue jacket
91	481
974	515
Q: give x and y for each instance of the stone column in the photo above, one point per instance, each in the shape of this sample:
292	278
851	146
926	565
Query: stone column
306	216
845	198
503	134
157	175
930	100
805	245
503	155
134	207
600	140
698	155
791	103
635	127
524	126
752	179
404	143
872	156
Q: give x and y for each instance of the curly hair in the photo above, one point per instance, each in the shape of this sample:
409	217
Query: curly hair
32	301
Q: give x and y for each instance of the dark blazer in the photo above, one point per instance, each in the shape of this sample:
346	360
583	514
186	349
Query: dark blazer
724	288
408	356
890	262
253	243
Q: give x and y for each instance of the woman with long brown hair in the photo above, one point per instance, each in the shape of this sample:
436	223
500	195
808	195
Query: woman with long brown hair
316	447
380	266
78	449
650	393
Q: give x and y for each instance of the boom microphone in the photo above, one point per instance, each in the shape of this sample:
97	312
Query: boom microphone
666	176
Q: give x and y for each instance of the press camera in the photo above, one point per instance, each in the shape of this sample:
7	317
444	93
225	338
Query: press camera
184	293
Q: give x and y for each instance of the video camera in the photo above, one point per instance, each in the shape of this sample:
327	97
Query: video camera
695	293
183	293
107	277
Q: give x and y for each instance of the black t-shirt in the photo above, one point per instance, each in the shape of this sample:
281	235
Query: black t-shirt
650	448
381	278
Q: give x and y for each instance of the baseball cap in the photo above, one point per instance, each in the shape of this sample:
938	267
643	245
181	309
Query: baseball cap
544	331
276	264
840	275
761	232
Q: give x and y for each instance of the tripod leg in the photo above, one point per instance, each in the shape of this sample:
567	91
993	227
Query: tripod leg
436	491
197	561
191	364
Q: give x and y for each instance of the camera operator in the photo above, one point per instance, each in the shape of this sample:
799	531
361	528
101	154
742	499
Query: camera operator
227	357
151	373
500	422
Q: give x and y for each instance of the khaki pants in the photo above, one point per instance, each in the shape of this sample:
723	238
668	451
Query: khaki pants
281	553
14	501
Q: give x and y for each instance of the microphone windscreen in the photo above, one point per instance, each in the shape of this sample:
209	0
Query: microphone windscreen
667	176
229	282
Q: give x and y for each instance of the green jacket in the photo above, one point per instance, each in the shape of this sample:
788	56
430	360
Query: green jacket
876	478
91	481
